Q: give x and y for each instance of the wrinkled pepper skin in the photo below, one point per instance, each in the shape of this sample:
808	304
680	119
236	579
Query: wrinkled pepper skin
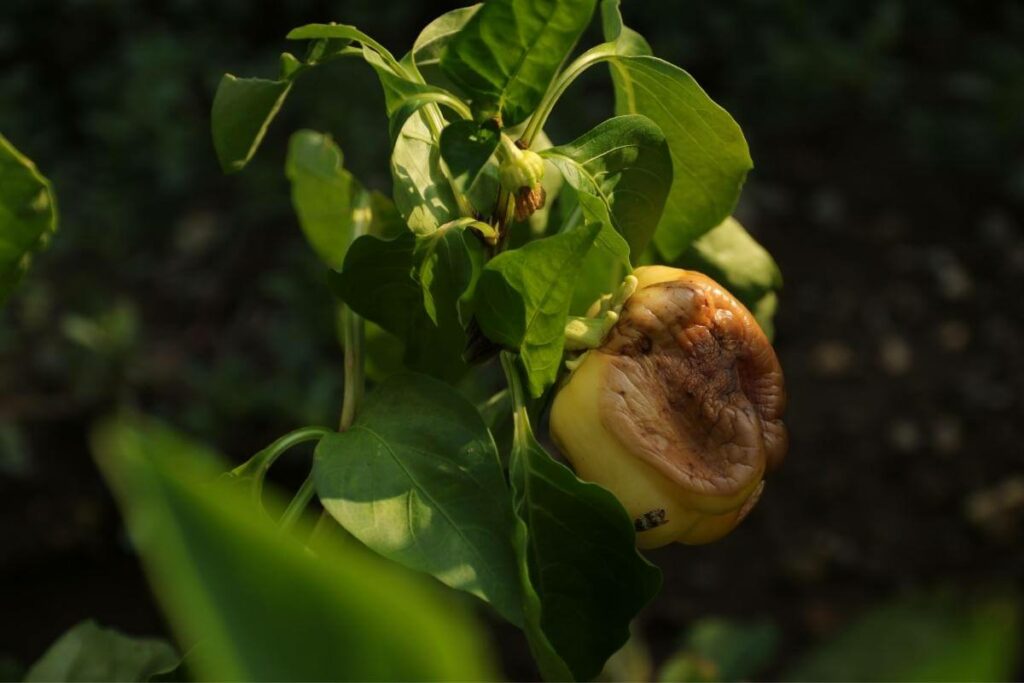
679	411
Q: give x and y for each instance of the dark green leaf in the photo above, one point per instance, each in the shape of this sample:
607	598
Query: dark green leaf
417	479
710	158
580	550
466	147
264	607
624	161
447	264
331	205
433	39
731	256
242	110
523	299
88	652
339	32
922	638
507	53
377	281
28	215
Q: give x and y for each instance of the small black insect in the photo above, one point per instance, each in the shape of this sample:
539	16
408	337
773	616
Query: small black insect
650	519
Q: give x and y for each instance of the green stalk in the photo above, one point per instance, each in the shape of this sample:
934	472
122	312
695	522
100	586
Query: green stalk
258	466
558	87
521	417
293	512
354	337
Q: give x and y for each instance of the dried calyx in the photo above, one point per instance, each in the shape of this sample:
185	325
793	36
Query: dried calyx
677	407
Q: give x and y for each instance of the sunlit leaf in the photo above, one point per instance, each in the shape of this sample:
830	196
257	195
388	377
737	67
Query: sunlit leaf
507	53
523	297
417	479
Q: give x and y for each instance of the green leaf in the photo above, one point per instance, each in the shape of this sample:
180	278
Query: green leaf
607	263
922	638
417	479
626	40
434	38
523	296
507	53
447	264
466	147
28	215
580	559
88	652
378	282
242	111
723	650
422	192
263	606
331	205
340	32
731	256
624	161
710	158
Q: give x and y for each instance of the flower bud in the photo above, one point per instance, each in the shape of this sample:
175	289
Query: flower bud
523	168
678	411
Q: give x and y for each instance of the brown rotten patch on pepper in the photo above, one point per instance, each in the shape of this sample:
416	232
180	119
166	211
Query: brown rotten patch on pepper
678	410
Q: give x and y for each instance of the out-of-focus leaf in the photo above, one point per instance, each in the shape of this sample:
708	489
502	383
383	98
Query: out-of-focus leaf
722	650
262	606
417	479
922	638
88	652
505	56
28	215
331	205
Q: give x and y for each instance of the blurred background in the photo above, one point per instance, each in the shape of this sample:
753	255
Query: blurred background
888	139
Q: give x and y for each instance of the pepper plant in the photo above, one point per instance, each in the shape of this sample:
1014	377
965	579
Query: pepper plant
481	264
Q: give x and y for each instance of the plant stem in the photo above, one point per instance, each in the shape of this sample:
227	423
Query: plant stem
258	466
558	87
298	504
521	417
353	335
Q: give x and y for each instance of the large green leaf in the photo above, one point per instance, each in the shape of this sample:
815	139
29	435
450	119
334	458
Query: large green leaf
523	297
607	263
710	158
507	53
378	282
88	652
28	215
732	257
578	548
624	161
417	479
923	638
263	606
331	205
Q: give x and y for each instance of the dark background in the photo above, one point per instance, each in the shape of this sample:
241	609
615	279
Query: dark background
888	139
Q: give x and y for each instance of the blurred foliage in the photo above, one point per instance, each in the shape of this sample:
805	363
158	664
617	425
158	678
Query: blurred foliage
937	637
717	649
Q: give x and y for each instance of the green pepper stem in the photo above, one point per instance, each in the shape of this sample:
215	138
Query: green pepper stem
558	87
295	508
354	337
521	417
258	466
